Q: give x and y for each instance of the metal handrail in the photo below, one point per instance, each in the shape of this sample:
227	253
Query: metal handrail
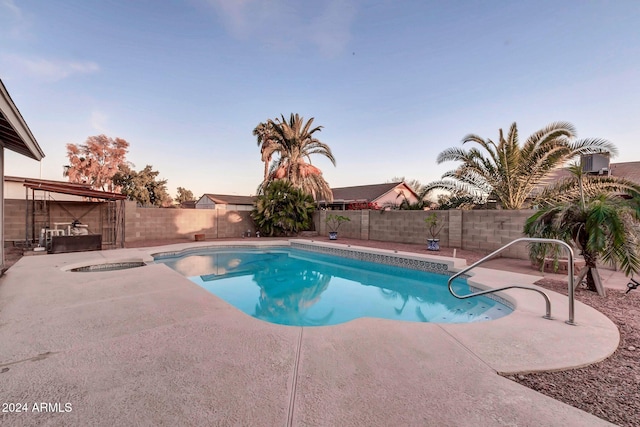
546	298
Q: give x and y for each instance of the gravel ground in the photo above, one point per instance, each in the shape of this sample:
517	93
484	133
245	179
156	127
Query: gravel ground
609	389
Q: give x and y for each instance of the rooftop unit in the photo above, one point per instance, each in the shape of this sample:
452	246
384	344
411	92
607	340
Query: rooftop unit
595	163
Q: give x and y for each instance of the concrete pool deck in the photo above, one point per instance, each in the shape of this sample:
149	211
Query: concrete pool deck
146	346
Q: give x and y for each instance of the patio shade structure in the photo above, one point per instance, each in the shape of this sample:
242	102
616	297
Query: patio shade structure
113	226
15	136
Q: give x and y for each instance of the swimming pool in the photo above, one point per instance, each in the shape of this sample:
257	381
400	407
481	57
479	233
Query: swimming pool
293	286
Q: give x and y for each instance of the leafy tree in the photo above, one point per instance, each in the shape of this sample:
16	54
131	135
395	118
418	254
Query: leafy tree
589	213
294	142
143	186
509	172
283	209
183	195
96	161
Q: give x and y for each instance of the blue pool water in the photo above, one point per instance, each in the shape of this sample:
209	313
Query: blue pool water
296	287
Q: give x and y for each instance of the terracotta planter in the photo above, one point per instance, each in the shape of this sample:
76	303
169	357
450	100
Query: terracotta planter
199	237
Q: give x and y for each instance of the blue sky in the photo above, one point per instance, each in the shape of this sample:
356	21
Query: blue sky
393	83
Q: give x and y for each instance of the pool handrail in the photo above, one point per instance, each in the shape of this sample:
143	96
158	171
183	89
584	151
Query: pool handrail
570	276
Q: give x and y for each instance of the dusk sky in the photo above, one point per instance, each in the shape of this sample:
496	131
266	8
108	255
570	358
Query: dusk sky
393	83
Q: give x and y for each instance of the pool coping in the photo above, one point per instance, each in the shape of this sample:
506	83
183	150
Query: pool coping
92	321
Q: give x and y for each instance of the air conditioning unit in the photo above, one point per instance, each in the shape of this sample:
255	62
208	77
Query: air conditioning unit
595	163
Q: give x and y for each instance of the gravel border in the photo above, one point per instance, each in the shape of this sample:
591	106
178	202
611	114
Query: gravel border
610	389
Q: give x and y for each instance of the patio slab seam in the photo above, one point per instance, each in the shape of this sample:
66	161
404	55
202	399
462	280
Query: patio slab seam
294	380
465	348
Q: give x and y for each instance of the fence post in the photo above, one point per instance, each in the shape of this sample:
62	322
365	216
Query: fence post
364	224
455	228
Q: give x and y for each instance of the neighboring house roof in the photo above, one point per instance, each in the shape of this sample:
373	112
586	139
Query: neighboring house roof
626	170
368	193
14	132
224	199
188	204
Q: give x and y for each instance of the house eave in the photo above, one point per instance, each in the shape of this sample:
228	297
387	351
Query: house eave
15	135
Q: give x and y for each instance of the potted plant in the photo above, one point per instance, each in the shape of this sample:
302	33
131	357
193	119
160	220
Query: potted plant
334	222
434	227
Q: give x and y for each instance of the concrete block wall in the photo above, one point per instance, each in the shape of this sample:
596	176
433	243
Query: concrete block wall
488	230
352	228
87	213
14	219
481	230
405	226
157	223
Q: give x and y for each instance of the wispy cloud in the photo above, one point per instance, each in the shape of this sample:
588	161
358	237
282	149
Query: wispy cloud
331	30
14	23
46	69
236	14
98	121
11	7
290	24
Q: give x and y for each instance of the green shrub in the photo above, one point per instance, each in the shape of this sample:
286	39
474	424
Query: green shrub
282	210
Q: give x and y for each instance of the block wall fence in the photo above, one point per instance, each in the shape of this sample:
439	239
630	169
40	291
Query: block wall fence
481	230
155	223
15	216
140	223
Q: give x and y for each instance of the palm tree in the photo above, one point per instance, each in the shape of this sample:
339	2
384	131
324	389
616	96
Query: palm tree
264	135
295	142
509	172
592	214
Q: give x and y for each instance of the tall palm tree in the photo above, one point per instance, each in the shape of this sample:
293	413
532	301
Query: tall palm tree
295	142
264	135
592	214
509	172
